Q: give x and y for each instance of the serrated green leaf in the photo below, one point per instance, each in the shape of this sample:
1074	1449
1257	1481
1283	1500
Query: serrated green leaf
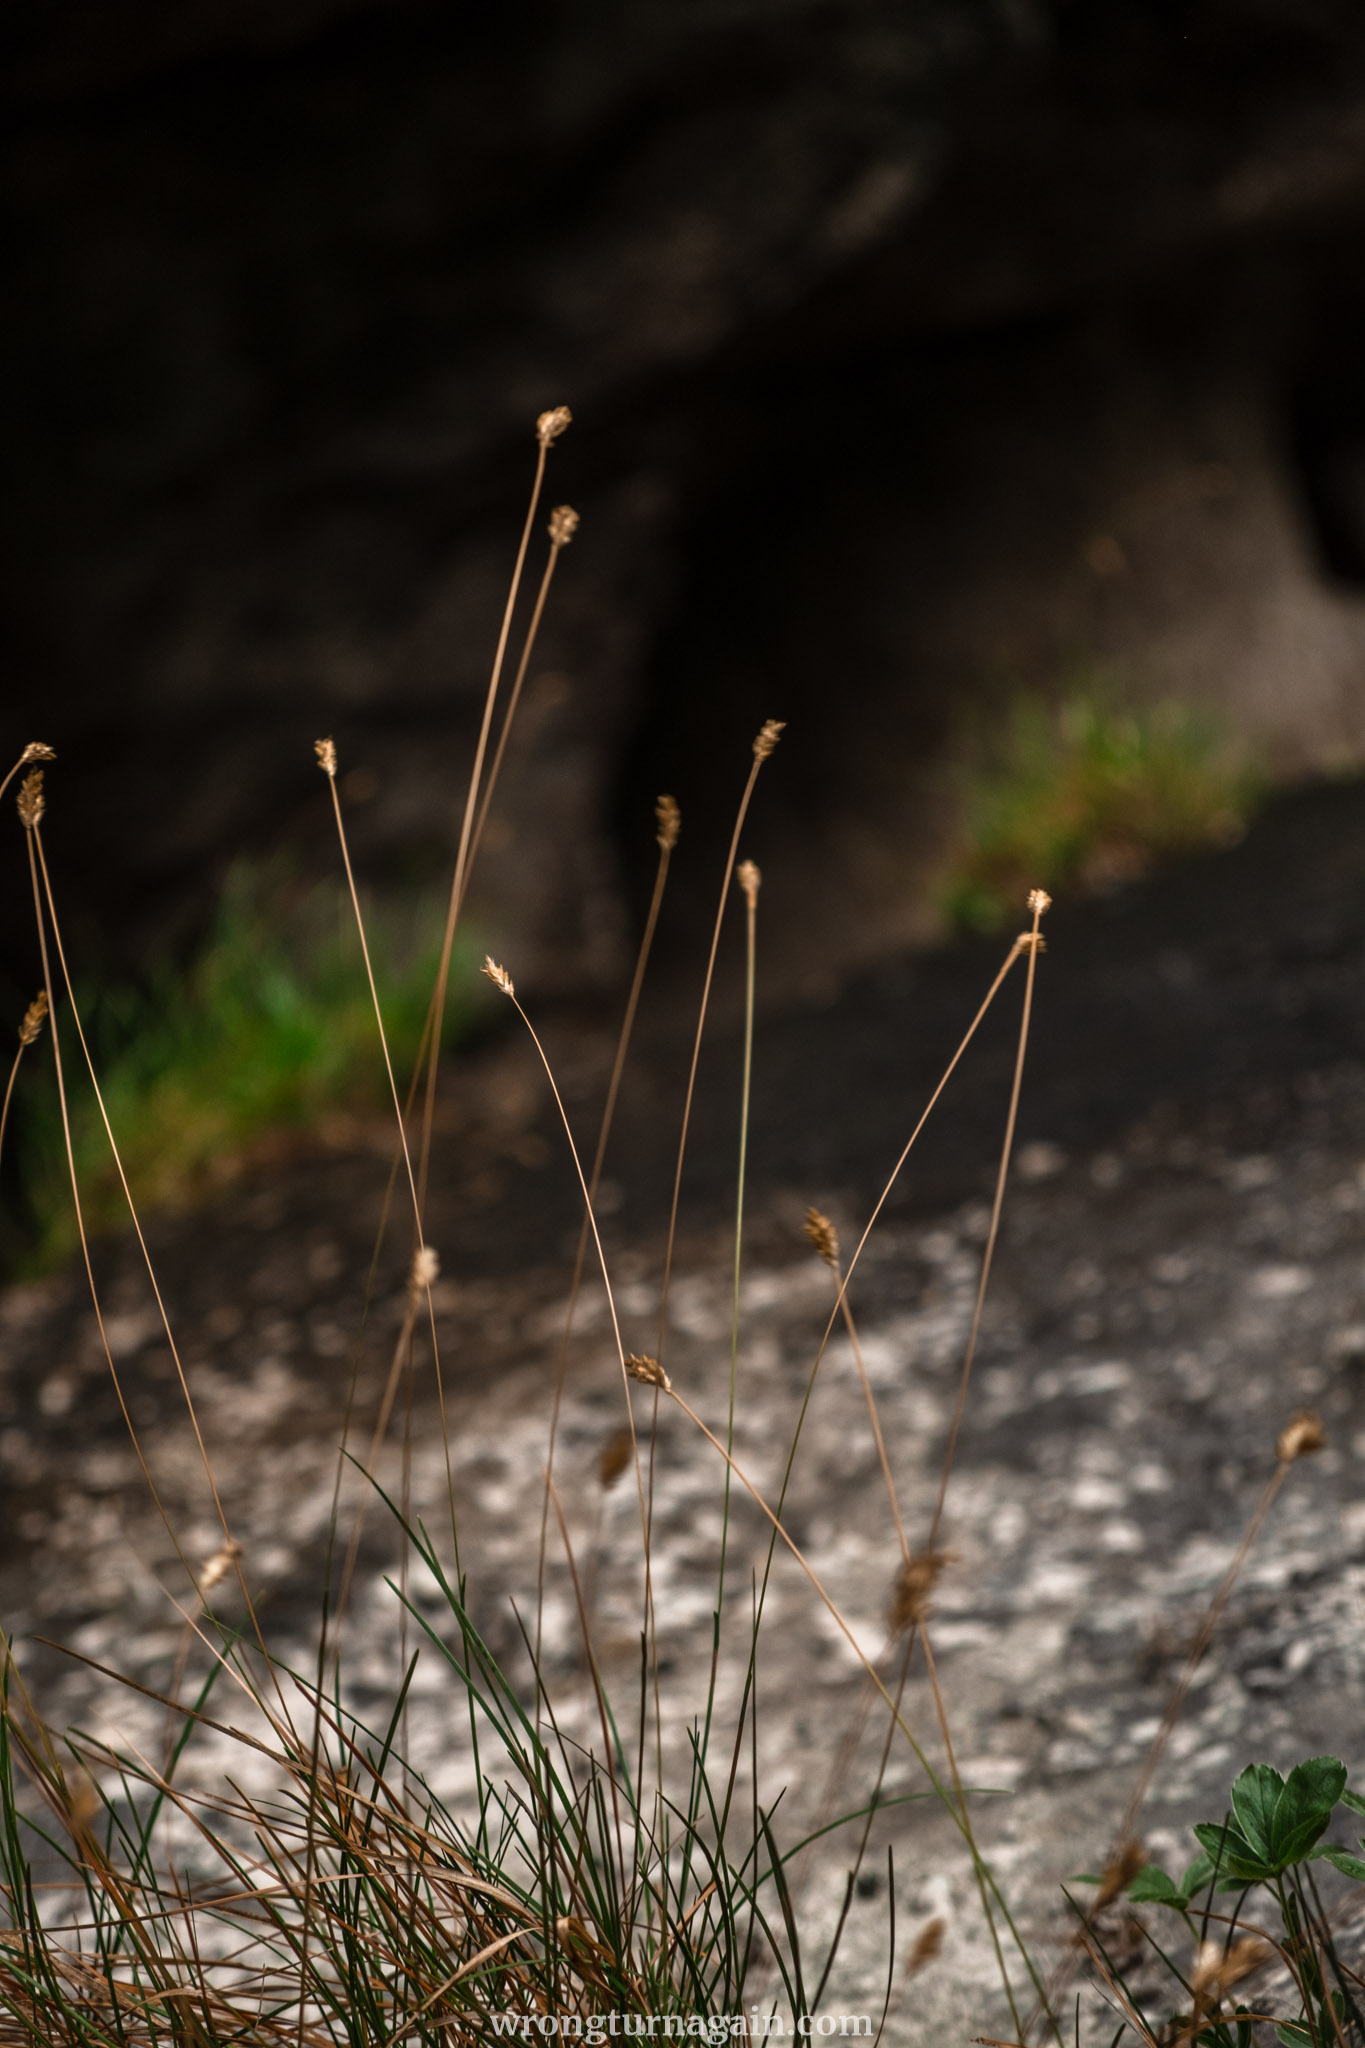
1198	1877
1340	1859
1153	1887
1304	1810
1352	1800
1255	1796
1228	1849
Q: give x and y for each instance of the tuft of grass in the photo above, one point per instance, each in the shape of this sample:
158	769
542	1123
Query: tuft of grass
268	1031
1085	793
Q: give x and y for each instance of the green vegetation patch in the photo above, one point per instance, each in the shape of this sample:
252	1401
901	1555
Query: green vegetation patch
1084	793
270	1029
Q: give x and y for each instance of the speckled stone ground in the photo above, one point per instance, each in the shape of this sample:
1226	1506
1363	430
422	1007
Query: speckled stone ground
1164	1298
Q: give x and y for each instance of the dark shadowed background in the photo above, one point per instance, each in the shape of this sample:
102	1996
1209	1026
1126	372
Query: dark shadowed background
918	352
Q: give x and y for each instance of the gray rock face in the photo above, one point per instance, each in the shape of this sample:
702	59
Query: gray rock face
914	350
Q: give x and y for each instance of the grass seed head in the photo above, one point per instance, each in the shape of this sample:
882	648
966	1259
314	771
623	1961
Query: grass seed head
614	1459
1119	1873
750	880
31	801
37	750
326	751
499	976
1039	901
928	1942
772	731
563	525
426	1265
913	1590
669	820
1031	942
1301	1436
34	1017
1214	1973
552	424
823	1236
218	1566
648	1372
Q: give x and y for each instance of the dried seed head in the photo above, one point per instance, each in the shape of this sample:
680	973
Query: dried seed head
563	525
499	976
648	1372
1039	901
614	1459
37	750
1031	942
426	1265
1301	1436
669	819
915	1582
31	801
773	729
1120	1872
218	1566
82	1801
928	1942
749	879
552	424
1214	1973
326	751
34	1017
823	1236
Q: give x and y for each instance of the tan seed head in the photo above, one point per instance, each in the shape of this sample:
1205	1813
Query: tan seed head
1119	1873
1039	901
823	1236
750	880
218	1566
37	750
326	751
563	525
499	976
1031	942
31	802
426	1266
669	820
552	424
1214	1973
1301	1436
614	1459
34	1017
928	1942
648	1372
915	1582
768	737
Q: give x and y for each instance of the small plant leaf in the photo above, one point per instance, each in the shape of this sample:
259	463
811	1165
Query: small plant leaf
1352	1800
1198	1877
1153	1887
1340	1859
1304	1812
1295	2035
1232	1855
1255	1796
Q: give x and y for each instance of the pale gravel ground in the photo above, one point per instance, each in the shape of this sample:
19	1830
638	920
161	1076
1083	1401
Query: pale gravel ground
1158	1311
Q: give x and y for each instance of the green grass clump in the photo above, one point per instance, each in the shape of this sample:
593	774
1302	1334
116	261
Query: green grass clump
269	1030
1084	794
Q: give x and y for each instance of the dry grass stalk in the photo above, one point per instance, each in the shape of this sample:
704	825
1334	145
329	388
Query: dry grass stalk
564	523
823	1236
1301	1437
669	820
31	801
769	735
749	880
648	1372
615	1457
499	976
913	1590
34	1018
326	751
928	1943
552	424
